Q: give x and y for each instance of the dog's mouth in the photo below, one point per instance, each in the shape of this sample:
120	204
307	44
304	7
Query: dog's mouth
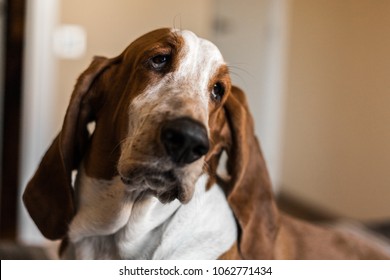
164	185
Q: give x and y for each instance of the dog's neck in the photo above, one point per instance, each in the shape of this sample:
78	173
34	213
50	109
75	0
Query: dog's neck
112	223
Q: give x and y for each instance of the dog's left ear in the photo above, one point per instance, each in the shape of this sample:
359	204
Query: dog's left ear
249	191
49	194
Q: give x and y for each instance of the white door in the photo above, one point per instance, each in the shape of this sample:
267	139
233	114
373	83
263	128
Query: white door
252	37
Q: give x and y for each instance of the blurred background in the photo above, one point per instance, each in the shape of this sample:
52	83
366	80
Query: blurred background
317	74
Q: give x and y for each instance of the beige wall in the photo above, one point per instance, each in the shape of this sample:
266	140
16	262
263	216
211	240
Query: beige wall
337	136
112	25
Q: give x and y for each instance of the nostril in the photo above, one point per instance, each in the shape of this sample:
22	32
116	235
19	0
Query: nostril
173	137
200	150
185	140
125	180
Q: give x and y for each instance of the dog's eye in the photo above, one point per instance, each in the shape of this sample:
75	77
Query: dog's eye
159	62
217	91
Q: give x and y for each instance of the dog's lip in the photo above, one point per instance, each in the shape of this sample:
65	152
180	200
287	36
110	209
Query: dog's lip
162	184
137	175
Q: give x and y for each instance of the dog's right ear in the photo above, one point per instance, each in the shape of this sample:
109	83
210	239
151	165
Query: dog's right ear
49	194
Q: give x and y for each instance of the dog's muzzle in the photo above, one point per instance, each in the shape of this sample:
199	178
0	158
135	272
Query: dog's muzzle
184	140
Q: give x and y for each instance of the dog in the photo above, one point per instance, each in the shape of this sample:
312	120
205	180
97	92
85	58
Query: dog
146	132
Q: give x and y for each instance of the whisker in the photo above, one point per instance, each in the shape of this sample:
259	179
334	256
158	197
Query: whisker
118	145
136	132
178	16
236	67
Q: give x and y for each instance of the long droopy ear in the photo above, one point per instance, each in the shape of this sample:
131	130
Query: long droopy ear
49	194
250	193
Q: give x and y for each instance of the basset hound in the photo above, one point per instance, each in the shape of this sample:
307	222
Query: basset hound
148	185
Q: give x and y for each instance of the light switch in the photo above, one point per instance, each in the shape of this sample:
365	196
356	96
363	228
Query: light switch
70	41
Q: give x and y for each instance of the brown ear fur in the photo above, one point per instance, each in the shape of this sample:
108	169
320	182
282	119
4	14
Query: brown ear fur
49	194
250	193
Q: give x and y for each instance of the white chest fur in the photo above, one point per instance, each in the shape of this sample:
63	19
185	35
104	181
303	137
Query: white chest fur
114	224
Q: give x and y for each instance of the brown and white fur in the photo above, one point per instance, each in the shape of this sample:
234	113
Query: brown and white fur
147	185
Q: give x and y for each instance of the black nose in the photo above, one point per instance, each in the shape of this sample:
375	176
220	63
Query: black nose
185	140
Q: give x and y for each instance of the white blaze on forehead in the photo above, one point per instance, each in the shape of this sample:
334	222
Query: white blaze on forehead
200	61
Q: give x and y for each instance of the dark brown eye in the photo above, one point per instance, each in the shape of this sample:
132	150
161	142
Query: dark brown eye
218	91
159	62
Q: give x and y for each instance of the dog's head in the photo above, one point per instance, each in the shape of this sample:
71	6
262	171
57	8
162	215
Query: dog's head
164	110
177	84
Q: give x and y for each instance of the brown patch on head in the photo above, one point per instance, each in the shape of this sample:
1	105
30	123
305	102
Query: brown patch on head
139	55
119	87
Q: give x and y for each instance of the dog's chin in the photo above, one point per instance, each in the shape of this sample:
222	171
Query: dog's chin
164	185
